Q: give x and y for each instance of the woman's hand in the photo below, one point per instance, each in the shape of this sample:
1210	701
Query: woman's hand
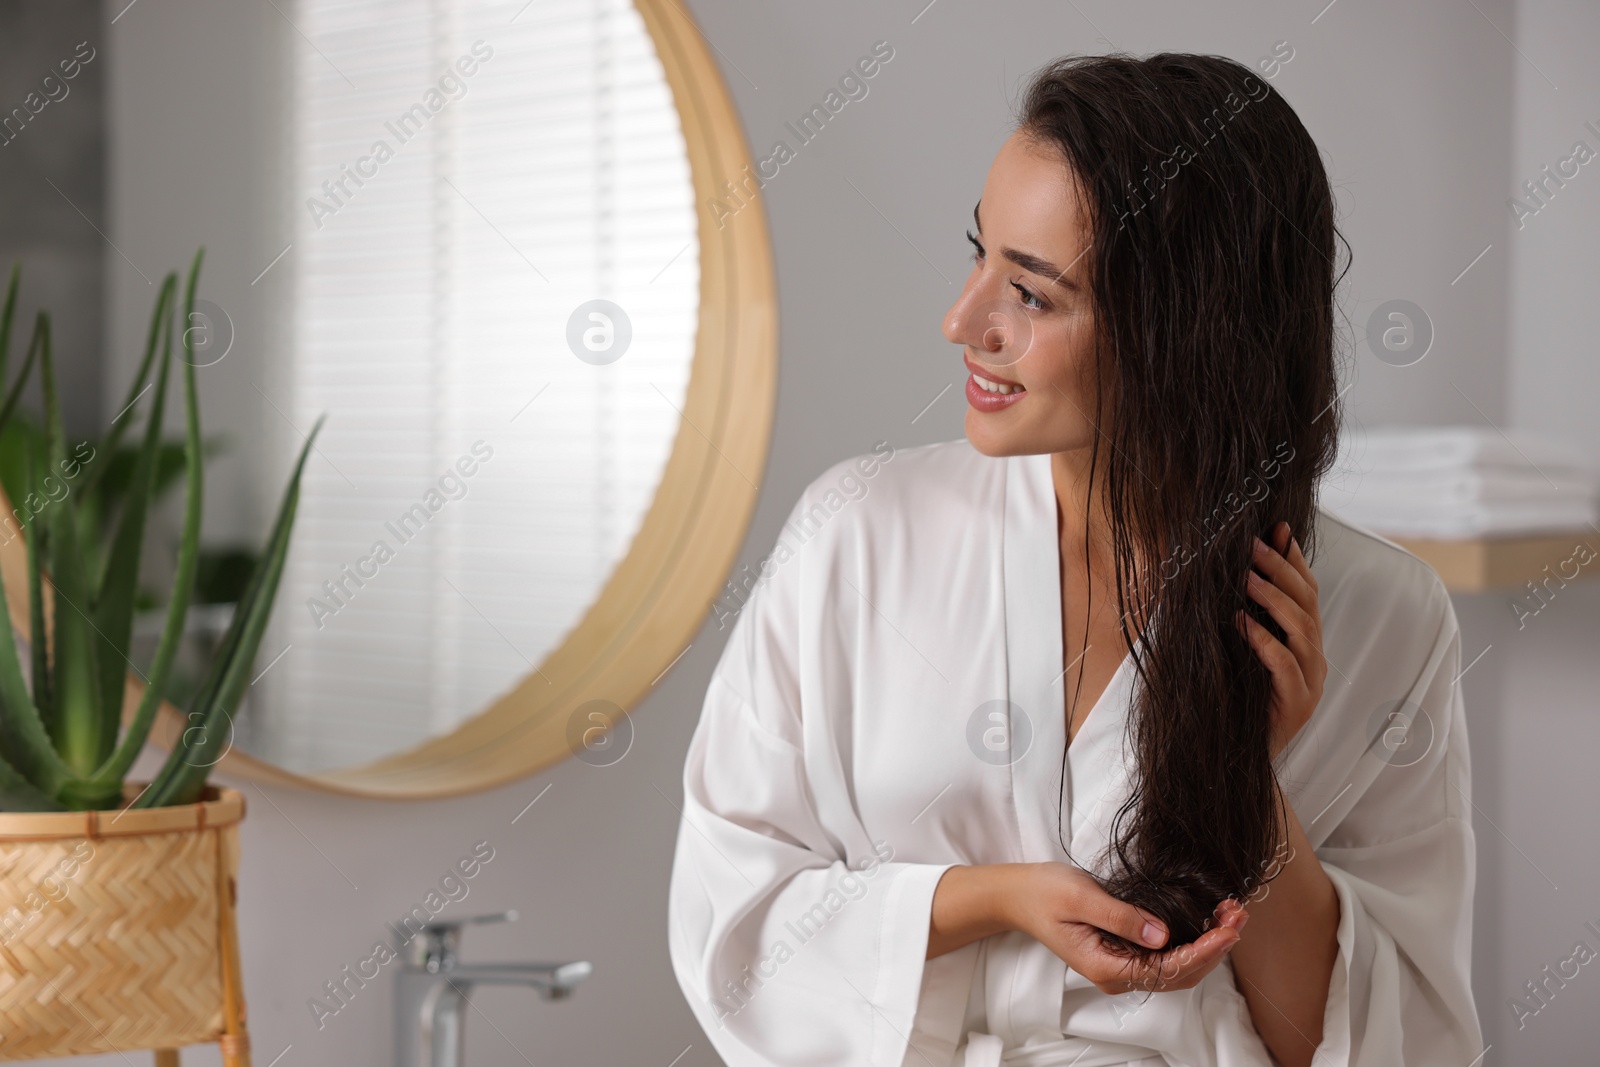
1289	593
1065	909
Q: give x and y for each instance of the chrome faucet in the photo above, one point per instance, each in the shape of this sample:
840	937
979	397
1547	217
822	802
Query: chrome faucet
433	987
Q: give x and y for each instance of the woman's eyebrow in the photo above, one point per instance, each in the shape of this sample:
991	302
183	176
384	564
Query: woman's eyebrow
1031	263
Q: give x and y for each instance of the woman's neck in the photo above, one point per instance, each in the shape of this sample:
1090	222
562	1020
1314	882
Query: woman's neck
1077	524
1079	527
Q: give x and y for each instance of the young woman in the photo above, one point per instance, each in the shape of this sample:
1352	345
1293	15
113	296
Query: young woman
1017	733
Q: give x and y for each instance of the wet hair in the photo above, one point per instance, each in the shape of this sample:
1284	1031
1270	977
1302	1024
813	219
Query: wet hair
1212	266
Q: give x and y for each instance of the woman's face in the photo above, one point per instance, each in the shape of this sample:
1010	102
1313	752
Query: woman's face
1025	317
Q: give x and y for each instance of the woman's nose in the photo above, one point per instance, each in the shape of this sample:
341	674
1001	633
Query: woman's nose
962	325
996	331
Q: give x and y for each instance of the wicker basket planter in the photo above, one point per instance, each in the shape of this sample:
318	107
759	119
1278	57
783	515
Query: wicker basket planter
117	930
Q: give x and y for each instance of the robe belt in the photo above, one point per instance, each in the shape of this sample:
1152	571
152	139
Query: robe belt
987	1050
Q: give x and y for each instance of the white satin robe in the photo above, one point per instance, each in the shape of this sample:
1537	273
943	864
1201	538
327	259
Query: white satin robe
836	774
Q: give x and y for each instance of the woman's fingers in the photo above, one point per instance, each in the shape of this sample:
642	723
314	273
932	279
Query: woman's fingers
1085	910
1298	560
1283	663
1231	913
1278	564
1302	643
1278	594
1178	968
1186	965
1296	661
1302	629
1289	548
1099	908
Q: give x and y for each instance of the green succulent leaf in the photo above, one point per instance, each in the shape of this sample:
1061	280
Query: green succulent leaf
59	746
81	726
138	730
22	380
183	776
24	742
5	318
19	794
114	600
38	640
25	745
119	426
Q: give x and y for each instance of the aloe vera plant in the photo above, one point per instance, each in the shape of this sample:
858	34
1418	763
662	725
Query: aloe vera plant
63	745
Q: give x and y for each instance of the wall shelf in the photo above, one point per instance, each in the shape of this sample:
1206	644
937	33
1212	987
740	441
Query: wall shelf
1488	564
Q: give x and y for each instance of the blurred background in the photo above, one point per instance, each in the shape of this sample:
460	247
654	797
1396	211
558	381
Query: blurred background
1434	117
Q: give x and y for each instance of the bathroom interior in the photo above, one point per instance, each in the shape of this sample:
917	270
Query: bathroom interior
576	361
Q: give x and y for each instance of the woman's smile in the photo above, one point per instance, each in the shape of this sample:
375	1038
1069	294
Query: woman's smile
987	392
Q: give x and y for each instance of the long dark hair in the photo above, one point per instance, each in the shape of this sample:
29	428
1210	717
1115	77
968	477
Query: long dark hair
1213	274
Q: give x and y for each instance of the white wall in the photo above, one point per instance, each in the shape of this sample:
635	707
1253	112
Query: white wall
1413	106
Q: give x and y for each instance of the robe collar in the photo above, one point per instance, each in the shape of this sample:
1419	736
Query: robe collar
1095	778
1025	981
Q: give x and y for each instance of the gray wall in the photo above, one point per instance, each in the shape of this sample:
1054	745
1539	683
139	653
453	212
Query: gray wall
192	133
1546	734
1428	118
53	230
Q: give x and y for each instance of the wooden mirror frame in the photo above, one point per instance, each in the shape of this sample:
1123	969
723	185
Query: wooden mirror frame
657	597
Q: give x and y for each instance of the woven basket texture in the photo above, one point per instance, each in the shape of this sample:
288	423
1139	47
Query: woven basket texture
111	941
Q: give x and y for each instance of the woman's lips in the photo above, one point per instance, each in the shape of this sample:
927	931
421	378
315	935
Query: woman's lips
982	399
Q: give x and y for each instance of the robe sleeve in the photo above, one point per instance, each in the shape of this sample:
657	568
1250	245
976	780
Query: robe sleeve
795	936
1402	861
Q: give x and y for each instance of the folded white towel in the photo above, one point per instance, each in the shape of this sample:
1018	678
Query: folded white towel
1398	448
1460	481
1473	520
1445	487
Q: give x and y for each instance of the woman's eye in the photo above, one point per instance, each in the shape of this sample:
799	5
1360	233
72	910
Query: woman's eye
1028	299
977	249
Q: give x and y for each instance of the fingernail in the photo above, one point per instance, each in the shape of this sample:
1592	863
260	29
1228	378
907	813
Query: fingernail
1153	935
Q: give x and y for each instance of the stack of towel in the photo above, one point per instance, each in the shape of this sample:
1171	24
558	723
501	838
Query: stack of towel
1460	482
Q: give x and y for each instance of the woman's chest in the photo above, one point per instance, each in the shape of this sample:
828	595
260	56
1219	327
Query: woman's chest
972	763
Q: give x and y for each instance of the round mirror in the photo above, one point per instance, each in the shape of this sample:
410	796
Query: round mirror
545	361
